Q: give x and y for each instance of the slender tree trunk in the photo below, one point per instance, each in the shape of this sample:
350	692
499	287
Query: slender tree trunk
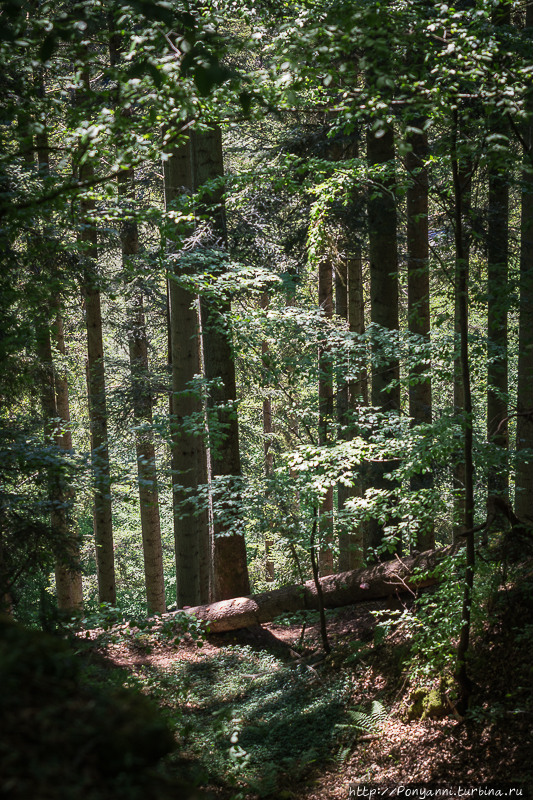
459	480
419	319
293	436
384	303
465	684
142	407
343	491
191	531
69	586
325	420
267	448
6	601
58	518
103	526
65	442
142	396
318	588
497	381
57	515
498	300
230	565
524	425
349	305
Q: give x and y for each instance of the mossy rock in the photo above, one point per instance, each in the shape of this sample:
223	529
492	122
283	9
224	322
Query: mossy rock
435	706
427	704
416	709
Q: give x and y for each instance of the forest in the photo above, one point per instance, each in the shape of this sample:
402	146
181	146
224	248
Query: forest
266	398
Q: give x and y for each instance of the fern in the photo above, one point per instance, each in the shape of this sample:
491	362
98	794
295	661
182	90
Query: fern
370	720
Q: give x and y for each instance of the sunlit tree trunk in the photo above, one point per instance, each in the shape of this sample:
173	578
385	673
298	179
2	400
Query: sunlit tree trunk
230	564
461	191
267	448
498	303
75	591
103	526
142	407
142	396
343	492
383	255
524	424
325	412
497	380
465	188
191	531
419	319
349	305
69	586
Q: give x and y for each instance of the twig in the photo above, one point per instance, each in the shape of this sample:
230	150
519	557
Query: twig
315	673
408	588
510	416
478	528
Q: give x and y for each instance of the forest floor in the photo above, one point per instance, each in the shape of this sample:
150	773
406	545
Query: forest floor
262	713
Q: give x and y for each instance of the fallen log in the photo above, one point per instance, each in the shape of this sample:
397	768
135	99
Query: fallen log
342	589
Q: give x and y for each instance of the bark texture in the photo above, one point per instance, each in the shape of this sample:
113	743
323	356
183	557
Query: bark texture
69	579
142	396
267	445
142	408
102	520
524	425
342	589
325	420
497	372
230	565
58	518
383	254
464	189
191	531
349	305
55	401
498	301
419	319
462	272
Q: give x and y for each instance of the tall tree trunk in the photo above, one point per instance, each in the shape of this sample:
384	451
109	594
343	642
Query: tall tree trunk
142	407
64	440
103	526
58	519
343	491
383	254
419	319
465	188
142	396
465	684
267	448
524	425
498	299
191	531
230	564
325	415
349	305
497	381
55	402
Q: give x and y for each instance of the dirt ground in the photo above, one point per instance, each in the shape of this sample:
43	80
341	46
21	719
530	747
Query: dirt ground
495	747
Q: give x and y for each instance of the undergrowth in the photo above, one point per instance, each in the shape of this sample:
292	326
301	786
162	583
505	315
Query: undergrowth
251	718
249	722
